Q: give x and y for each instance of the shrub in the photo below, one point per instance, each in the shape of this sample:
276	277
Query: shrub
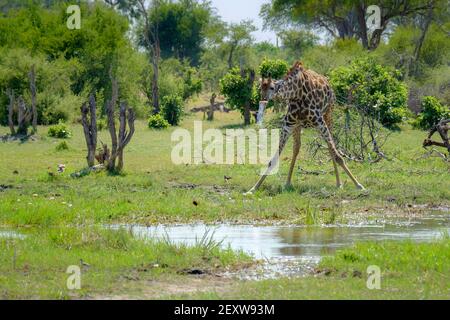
432	112
375	89
237	92
101	124
59	131
62	146
157	121
192	83
325	58
172	109
275	69
177	77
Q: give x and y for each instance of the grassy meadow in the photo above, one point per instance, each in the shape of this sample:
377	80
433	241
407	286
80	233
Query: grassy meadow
62	219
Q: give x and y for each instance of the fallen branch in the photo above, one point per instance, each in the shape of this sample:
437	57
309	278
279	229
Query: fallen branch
442	128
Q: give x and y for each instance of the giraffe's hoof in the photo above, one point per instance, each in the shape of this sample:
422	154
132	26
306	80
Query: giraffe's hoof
340	186
288	186
250	193
360	187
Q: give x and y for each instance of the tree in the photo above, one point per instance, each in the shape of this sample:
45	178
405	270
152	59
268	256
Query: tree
373	89
182	25
87	54
297	41
432	113
239	38
273	68
340	19
239	91
33	79
228	45
149	31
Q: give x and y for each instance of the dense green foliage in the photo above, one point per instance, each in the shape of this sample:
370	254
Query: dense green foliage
235	87
157	121
182	26
198	49
55	100
274	69
297	42
432	112
172	109
62	146
373	88
69	63
59	131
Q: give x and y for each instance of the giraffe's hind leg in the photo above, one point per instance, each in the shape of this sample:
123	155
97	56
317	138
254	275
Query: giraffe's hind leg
284	137
296	149
336	171
328	122
335	155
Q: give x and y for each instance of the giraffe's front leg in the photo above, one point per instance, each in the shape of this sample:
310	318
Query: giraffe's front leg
336	156
284	137
296	149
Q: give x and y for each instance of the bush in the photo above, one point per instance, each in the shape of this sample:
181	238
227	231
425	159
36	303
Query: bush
192	84
172	109
325	58
102	124
62	146
375	89
432	112
237	92
158	122
59	131
275	69
178	78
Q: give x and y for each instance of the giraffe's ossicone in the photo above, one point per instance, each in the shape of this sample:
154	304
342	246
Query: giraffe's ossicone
310	100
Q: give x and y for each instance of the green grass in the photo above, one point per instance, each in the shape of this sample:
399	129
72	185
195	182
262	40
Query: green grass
35	266
151	188
56	209
408	271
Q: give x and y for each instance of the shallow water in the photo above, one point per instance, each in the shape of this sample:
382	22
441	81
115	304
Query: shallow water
8	234
309	243
294	250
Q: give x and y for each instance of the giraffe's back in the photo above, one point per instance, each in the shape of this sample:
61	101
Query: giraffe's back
316	101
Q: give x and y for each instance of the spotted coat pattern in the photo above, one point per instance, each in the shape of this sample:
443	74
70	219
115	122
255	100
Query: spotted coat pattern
310	100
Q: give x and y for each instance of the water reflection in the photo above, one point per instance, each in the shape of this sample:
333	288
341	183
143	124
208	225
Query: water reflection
7	234
309	243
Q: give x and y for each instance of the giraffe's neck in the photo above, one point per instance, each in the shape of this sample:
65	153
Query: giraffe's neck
289	89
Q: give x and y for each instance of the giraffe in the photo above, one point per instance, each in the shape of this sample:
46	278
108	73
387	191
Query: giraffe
310	100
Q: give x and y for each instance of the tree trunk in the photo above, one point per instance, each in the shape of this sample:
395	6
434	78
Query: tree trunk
211	107
10	94
125	114
345	28
155	80
32	76
415	60
118	141
230	56
362	25
111	123
23	117
251	79
90	129
376	35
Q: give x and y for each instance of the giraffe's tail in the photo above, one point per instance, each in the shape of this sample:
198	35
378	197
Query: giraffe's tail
328	116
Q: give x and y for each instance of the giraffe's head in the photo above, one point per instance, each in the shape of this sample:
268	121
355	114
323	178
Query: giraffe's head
269	88
285	89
